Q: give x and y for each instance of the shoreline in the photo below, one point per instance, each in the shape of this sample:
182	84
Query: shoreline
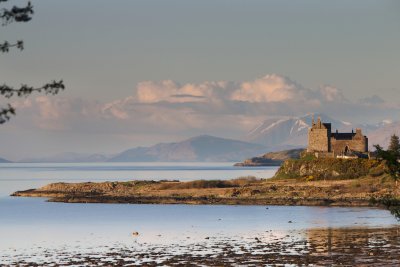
202	200
363	192
313	246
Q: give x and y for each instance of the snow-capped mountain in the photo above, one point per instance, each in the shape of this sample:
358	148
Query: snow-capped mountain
290	132
381	135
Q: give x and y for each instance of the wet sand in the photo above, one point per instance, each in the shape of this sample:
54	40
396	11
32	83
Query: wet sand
317	247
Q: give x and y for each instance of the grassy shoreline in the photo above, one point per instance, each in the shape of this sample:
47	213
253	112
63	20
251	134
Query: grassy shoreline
367	191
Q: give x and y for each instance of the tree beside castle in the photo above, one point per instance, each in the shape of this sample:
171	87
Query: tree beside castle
391	156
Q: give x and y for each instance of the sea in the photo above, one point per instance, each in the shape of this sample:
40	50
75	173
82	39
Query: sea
34	230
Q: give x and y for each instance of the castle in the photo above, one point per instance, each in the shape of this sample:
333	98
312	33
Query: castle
323	142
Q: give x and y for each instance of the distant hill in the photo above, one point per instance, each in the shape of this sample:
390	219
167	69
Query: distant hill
272	158
200	148
275	134
69	157
4	161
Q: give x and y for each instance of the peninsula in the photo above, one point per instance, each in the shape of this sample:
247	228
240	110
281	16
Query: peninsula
243	191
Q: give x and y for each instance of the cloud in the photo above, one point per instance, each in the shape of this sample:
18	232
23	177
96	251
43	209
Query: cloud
372	100
270	88
118	108
331	94
165	111
168	108
170	91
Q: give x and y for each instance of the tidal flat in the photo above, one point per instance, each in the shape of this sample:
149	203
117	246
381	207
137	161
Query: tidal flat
35	232
317	247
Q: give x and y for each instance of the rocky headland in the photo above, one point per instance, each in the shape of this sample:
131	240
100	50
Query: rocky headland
306	181
272	158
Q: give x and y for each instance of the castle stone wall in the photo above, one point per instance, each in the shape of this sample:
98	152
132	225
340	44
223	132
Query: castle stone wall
360	145
318	140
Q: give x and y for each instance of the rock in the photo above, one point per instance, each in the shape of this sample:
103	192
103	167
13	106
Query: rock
303	170
335	173
290	222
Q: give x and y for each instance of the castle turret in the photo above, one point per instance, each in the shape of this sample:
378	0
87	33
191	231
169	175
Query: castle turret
319	137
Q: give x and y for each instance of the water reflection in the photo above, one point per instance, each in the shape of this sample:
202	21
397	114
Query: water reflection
395	211
320	247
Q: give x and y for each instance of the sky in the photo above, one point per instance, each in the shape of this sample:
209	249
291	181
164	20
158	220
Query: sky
148	71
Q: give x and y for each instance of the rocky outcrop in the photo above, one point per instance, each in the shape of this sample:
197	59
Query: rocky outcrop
272	158
350	192
330	168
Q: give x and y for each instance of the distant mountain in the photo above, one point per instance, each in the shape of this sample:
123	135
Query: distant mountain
4	161
69	157
200	148
274	134
290	132
381	134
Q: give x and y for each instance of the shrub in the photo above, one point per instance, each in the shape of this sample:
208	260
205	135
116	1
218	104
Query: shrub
199	184
328	168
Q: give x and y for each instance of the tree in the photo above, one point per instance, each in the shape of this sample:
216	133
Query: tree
391	160
394	145
7	16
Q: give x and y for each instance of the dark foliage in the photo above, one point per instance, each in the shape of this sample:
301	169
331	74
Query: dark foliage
7	16
394	145
16	14
390	158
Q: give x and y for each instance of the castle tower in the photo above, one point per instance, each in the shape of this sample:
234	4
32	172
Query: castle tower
319	137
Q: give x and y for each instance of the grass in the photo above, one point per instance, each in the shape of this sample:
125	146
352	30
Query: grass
201	184
329	168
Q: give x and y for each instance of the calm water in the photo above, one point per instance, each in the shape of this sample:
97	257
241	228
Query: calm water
20	176
30	226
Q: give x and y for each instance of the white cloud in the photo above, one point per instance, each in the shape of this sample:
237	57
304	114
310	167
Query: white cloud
118	108
170	91
331	94
168	108
270	88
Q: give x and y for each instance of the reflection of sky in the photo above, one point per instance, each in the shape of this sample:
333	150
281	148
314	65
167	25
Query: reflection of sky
27	224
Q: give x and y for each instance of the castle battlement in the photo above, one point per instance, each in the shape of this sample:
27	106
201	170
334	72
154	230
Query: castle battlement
322	140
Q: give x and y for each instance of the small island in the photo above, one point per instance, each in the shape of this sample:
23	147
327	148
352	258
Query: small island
271	158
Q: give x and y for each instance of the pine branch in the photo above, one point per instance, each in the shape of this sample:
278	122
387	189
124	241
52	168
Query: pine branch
5	47
16	14
6	113
50	88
